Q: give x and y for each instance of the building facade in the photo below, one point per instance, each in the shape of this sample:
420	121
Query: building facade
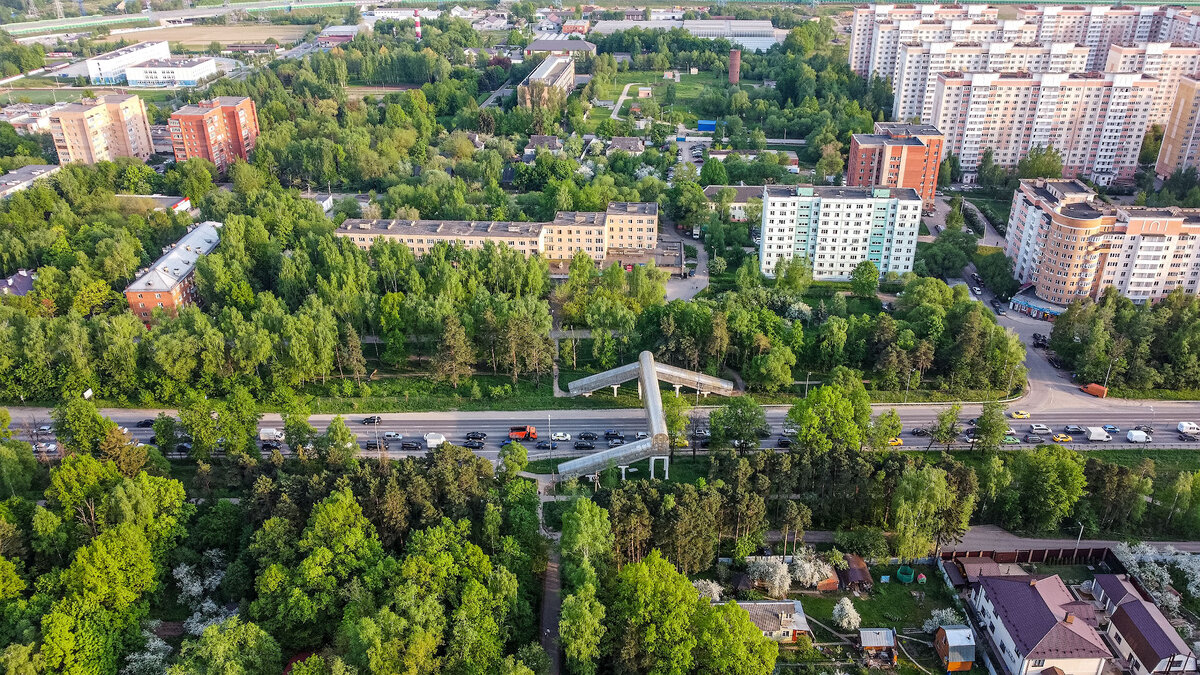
110	68
552	80
897	155
1166	62
836	228
890	34
623	226
29	118
168	284
1070	245
1096	121
862	25
21	179
171	72
1097	27
740	196
219	130
781	621
919	63
1180	147
96	130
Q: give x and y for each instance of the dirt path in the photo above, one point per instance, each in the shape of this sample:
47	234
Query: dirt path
551	602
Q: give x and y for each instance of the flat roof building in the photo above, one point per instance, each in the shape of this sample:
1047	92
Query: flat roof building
561	46
171	72
748	34
1180	147
836	228
29	118
168	283
97	130
219	130
20	179
897	155
110	68
548	84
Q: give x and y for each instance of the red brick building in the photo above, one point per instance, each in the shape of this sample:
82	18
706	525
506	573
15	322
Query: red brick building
897	155
219	130
168	283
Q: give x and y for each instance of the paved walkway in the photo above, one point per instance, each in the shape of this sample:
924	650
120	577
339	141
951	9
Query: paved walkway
686	289
551	604
616	113
502	90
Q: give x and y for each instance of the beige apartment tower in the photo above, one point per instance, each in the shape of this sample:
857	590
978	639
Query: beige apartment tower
97	130
1181	134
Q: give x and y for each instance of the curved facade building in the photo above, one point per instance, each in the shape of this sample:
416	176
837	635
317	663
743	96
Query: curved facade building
1068	244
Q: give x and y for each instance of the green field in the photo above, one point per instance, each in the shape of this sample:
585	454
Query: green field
687	90
52	95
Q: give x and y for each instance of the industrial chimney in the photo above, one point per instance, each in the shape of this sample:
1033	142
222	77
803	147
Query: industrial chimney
735	66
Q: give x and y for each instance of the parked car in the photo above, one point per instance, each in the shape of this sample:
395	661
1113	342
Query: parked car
473	445
272	445
585	445
560	436
145	424
1055	362
977	290
587	436
784	442
476	436
373	419
547	445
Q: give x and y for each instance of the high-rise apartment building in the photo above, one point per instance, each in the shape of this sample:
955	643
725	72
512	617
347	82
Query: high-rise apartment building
96	130
918	65
897	155
1181	134
862	26
1094	26
1164	61
1095	120
1069	244
836	228
888	36
219	130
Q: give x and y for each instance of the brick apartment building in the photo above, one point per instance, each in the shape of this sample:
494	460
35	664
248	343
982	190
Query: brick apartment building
168	283
897	155
219	130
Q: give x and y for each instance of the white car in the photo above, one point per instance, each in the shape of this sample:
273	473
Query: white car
393	436
642	434
560	436
1039	428
45	429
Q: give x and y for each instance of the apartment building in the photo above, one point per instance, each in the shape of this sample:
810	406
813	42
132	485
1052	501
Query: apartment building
624	225
1069	244
1165	61
919	63
29	118
862	26
889	35
219	130
553	79
1181	133
171	72
1097	27
24	177
836	228
168	283
110	68
96	130
1096	120
897	155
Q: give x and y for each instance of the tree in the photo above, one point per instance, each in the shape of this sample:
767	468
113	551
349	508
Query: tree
231	647
713	173
338	445
1049	481
1041	163
586	532
737	424
652	611
128	455
513	460
79	426
921	497
728	642
864	280
884	428
773	574
717	265
17	467
845	616
455	355
991	427
581	628
945	429
675	414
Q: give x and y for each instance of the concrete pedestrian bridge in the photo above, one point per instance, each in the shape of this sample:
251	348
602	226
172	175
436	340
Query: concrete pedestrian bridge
648	373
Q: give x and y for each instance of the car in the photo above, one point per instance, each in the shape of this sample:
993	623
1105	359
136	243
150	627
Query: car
508	441
1073	429
616	442
393	436
973	421
547	445
702	442
894	441
374	444
411	445
1010	440
1033	438
45	429
373	419
560	436
145	424
784	442
476	436
183	447
587	436
968	438
1037	337
1112	428
612	434
1055	362
640	435
473	445
1010	431
1039	428
1192	438
701	433
1144	427
272	445
585	445
919	431
1019	415
1061	438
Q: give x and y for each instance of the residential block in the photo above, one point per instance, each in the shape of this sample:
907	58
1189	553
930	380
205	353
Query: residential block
168	284
897	155
103	129
219	130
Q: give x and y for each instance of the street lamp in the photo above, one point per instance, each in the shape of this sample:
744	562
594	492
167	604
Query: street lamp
908	384
807	377
1077	540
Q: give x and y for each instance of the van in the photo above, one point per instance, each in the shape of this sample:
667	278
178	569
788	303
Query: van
1135	436
523	432
1098	434
434	440
269	434
1097	390
393	436
1187	428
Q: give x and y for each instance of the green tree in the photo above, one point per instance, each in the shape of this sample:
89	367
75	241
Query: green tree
651	612
864	280
1041	163
586	533
728	643
230	648
581	627
945	428
991	427
338	445
79	426
713	173
1049	481
455	355
513	460
737	424
884	428
921	496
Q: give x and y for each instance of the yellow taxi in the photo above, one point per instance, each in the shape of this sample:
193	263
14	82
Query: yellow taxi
895	441
1062	438
1020	415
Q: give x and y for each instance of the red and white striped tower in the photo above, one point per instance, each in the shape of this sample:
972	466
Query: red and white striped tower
417	18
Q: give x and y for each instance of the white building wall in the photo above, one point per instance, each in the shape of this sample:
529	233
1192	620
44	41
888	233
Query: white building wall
110	68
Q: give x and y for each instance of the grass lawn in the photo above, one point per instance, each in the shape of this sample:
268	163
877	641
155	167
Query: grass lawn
687	90
1070	574
52	95
1156	394
923	230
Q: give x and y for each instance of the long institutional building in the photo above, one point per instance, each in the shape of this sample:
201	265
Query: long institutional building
623	226
836	228
1069	244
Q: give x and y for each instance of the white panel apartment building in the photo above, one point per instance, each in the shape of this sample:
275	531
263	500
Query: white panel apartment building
1097	121
836	228
110	68
1097	27
918	65
862	26
889	35
1164	61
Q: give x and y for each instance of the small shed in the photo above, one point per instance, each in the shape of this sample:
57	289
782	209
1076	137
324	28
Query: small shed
830	583
706	125
644	92
955	645
856	577
878	643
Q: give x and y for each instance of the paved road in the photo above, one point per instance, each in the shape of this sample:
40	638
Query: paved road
47	25
686	289
616	113
551	606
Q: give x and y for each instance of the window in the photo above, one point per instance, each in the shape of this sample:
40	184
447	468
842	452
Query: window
1038	663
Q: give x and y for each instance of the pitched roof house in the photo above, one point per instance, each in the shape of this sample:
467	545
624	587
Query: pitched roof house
1034	624
1112	590
1148	641
781	621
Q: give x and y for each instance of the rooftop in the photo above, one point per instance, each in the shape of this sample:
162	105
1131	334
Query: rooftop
126	50
26	174
879	638
742	193
550	69
1148	632
771	616
841	192
1117	588
179	260
445	228
173	63
20	283
626	143
548	142
1043	618
206	106
633	208
545	45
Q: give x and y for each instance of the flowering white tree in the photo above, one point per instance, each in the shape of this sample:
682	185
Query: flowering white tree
808	570
1152	567
152	659
196	588
845	616
708	589
774	574
945	616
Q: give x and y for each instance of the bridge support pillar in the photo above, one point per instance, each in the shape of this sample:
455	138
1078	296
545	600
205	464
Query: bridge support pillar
622	467
677	388
639	384
666	460
615	386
